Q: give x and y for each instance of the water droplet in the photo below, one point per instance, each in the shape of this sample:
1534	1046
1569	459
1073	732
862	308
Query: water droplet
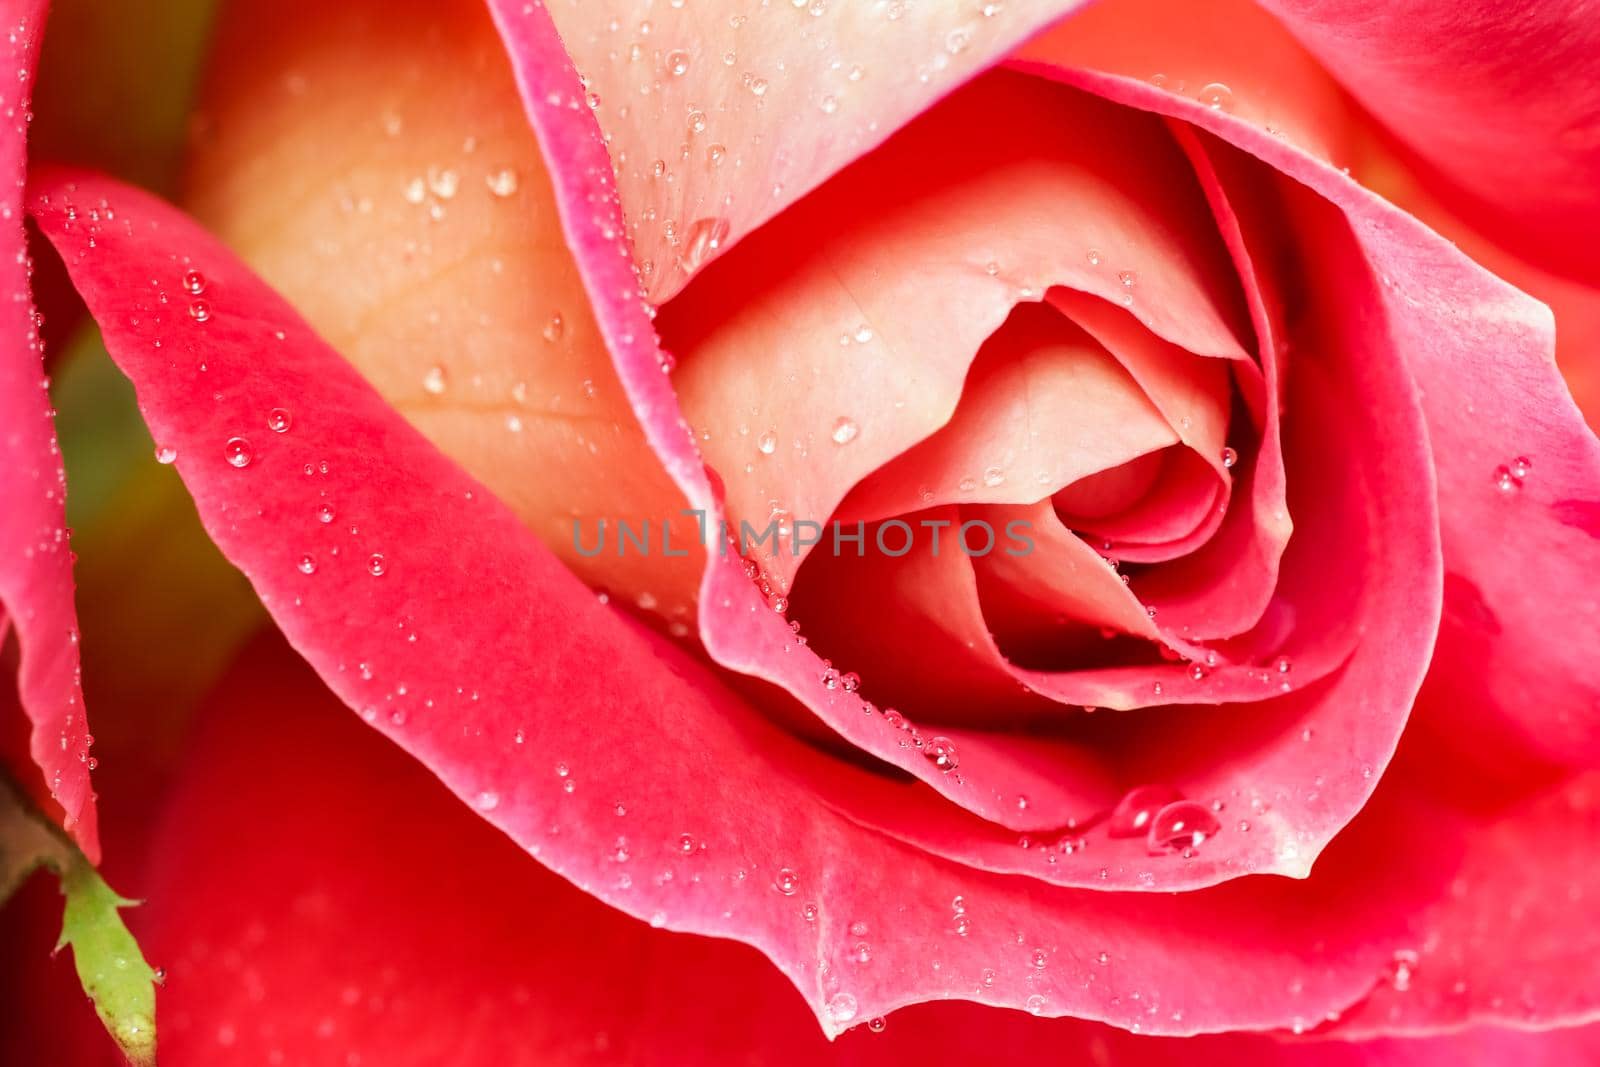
863	334
1094	257
963	925
1217	96
553	329
1138	807
1283	665
200	311
809	912
194	283
841	1008
1041	959
844	430
1229	458
701	240
786	881
1181	825
237	451
486	801
686	844
941	752
325	513
1035	1004
993	476
767	443
166	455
307	565
876	1024
433	381
1505	480
1401	968
278	420
502	182
677	63
376	565
1521	466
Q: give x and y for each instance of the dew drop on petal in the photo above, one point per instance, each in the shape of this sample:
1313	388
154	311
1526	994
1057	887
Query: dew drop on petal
1217	96
279	420
486	801
1229	458
841	1007
1181	825
941	752
307	565
194	283
502	183
376	565
786	881
238	452
1138	807
166	455
845	431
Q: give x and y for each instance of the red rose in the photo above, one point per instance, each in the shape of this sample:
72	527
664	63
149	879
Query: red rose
1114	480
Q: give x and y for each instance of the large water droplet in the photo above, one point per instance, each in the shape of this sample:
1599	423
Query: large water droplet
786	881
194	283
1181	826
941	752
1137	808
279	420
841	1007
1217	96
701	240
238	452
845	430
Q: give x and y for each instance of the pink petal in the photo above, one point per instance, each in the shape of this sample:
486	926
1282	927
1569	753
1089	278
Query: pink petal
893	303
789	93
238	939
1492	395
1501	100
35	560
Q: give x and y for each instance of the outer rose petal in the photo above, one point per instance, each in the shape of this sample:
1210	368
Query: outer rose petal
512	966
754	82
478	652
35	561
1502	99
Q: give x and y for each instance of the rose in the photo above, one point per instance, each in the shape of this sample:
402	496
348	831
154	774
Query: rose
876	855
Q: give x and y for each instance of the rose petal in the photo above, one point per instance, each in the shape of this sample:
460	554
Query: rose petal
879	301
738	625
1043	406
421	239
789	92
1459	85
1465	337
35	559
400	847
